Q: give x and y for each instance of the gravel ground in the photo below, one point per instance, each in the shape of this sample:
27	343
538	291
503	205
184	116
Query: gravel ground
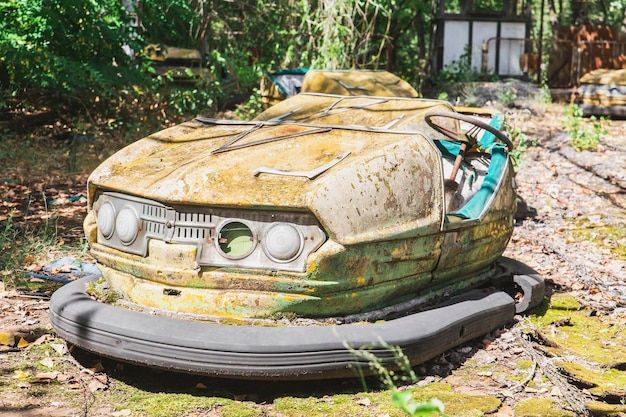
575	229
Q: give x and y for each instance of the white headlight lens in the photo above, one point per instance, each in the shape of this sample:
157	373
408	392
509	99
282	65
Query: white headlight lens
282	242
106	220
127	225
236	240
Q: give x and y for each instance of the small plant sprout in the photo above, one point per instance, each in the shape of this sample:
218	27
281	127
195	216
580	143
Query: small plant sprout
583	137
389	378
403	400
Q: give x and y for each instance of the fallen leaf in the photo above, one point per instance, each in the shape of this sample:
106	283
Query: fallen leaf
42	339
103	378
22	343
7	339
19	374
45	377
47	362
66	268
507	393
200	385
29	259
34	268
63	378
59	348
96	385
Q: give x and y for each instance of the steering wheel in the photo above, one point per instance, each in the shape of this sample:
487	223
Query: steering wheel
471	135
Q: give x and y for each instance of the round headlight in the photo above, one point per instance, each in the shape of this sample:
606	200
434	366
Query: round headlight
127	225
106	219
282	242
235	240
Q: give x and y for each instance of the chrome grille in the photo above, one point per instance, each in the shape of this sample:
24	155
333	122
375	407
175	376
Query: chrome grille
192	227
153	219
198	225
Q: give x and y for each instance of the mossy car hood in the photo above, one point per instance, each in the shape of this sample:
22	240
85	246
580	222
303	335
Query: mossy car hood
362	174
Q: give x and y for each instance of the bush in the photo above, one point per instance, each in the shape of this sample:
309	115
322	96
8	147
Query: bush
66	46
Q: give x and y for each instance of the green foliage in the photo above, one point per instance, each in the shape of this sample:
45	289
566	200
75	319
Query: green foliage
458	72
403	400
66	45
343	33
194	100
251	108
583	137
507	97
521	142
403	373
173	22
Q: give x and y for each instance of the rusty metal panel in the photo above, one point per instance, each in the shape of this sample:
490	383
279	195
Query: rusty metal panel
395	191
178	167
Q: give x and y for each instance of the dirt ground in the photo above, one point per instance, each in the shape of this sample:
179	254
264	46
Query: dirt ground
572	230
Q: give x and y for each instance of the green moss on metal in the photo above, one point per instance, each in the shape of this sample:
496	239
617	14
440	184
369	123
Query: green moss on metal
540	407
102	292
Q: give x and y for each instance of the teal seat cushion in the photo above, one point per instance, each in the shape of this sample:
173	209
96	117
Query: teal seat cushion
488	138
474	207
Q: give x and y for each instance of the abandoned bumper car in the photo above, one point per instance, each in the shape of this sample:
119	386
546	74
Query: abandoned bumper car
275	248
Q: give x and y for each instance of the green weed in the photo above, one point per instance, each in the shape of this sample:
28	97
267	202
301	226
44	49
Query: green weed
251	108
405	402
402	372
583	137
521	142
507	97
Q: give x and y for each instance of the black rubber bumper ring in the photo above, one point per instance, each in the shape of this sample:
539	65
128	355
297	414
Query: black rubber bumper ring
289	352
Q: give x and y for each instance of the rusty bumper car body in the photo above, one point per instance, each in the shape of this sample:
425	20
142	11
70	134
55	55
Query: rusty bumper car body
271	248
